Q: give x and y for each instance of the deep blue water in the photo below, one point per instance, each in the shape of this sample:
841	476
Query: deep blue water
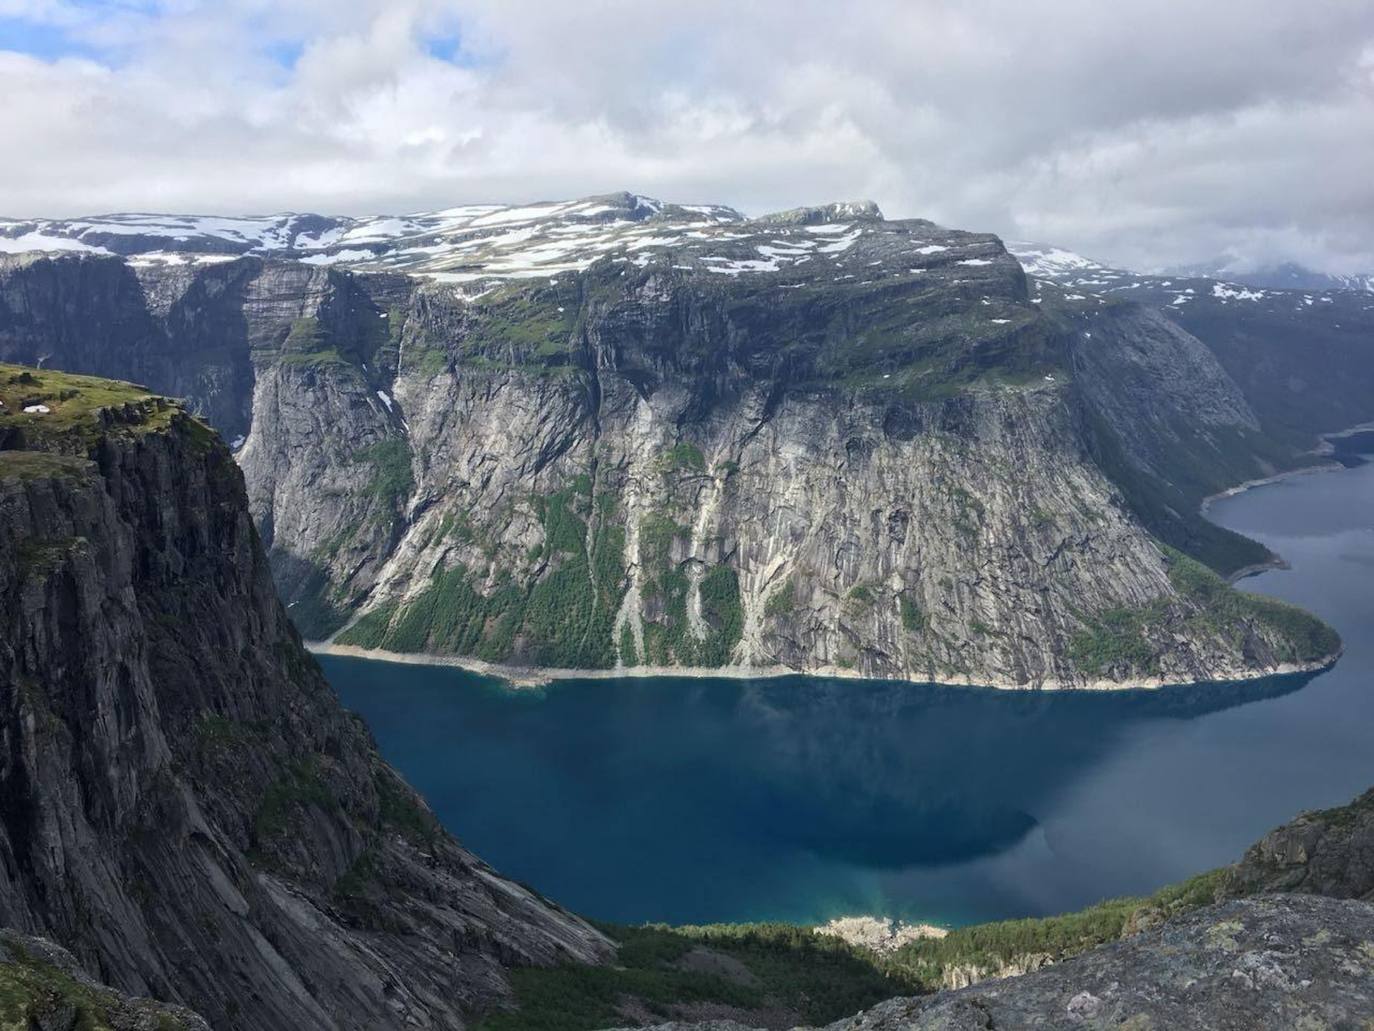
805	798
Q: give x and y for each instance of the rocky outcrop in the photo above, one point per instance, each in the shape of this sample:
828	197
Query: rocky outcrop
43	988
818	441
1326	852
1270	962
187	808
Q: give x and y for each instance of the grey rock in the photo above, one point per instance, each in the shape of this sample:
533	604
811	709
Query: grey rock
889	458
1328	852
187	807
1270	962
43	988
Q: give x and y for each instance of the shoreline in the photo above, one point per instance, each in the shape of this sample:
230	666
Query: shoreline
519	677
1264	481
522	677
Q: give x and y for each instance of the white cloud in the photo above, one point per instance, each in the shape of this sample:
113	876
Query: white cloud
1146	133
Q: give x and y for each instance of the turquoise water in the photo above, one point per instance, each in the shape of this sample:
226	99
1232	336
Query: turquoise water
799	799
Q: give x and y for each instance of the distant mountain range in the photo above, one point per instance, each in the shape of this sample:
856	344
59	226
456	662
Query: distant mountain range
1068	269
1287	275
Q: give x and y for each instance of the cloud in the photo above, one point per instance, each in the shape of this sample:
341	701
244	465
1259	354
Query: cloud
1147	133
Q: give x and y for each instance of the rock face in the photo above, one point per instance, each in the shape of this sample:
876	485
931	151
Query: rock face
614	433
1327	852
43	988
1270	962
187	808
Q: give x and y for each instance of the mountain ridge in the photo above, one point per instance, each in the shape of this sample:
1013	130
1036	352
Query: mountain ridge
429	458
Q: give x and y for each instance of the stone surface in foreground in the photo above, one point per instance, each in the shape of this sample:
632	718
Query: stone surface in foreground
1270	962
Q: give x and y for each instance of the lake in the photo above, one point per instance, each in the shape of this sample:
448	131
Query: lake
800	799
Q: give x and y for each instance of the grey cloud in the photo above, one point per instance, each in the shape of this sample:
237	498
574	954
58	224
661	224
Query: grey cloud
1147	133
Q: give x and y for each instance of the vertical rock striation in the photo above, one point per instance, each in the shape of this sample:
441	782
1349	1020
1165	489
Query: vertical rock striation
187	808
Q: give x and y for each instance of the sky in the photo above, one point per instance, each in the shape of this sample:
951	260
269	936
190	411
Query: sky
1148	133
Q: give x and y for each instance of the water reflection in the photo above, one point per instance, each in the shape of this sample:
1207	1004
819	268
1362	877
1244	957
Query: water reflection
618	797
801	799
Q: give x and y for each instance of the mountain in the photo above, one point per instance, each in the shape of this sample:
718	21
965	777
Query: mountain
187	808
1303	359
1286	275
616	433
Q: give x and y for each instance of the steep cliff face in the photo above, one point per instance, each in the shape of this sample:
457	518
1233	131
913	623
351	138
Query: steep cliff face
187	807
819	441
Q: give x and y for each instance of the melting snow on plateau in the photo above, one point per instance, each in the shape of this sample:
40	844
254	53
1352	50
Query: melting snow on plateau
32	241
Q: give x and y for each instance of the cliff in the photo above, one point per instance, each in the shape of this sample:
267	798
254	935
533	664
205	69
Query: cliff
614	435
187	808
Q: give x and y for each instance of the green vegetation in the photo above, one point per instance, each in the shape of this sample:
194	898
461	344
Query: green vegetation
1117	640
860	595
521	326
80	410
37	994
913	619
450	616
326	358
370	629
566	618
721	608
304	335
392	479
41	555
629	655
991	946
783	600
41	465
300	785
1300	636
656	535
683	455
400	810
570	615
427	361
744	968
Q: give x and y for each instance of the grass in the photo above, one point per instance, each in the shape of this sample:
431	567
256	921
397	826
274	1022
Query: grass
41	465
80	410
1115	639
